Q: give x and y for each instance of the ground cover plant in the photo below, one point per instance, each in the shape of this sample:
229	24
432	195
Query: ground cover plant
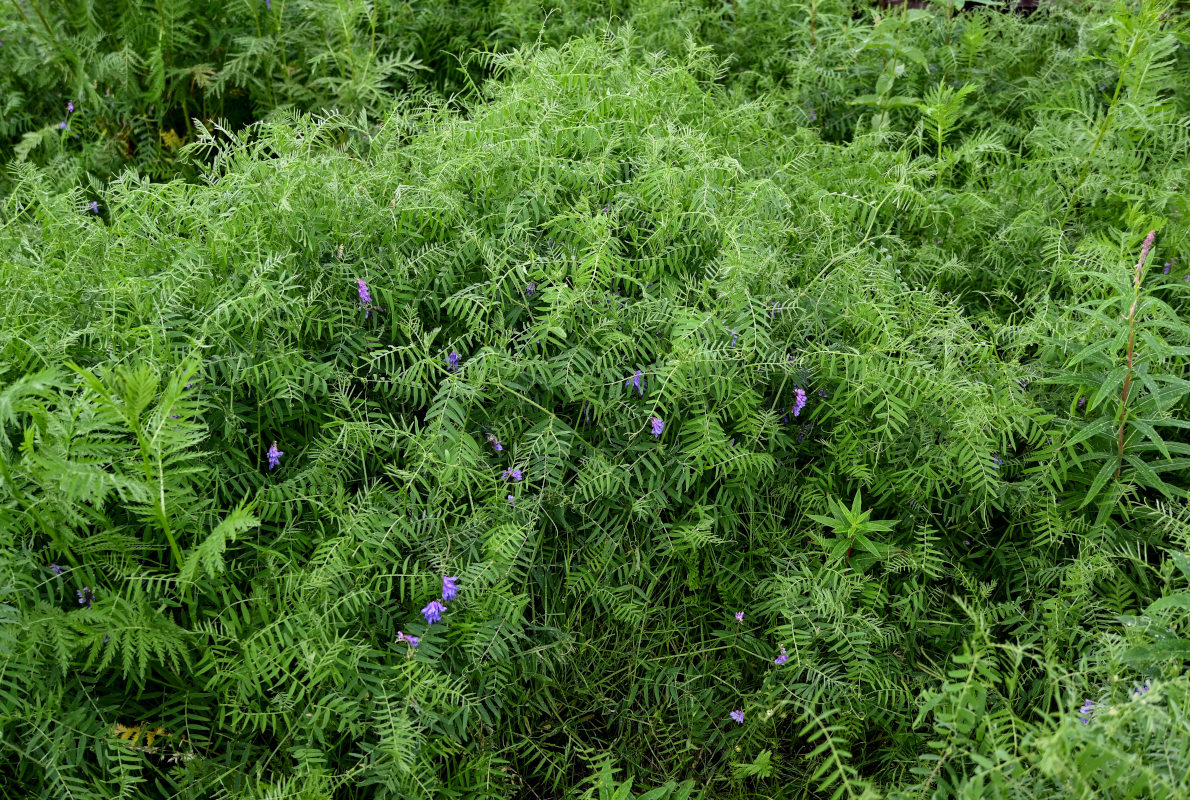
689	410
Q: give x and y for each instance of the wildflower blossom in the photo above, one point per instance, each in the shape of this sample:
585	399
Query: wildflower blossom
450	588
530	289
1082	402
55	569
494	442
69	106
86	596
739	616
274	456
735	334
996	462
1086	711
781	658
658	425
1142	690
94	207
738	716
433	612
799	401
513	473
365	297
412	641
1168	267
638	382
512	499
62	126
452	361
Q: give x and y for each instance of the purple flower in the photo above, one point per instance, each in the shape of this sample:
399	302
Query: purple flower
1086	711
1168	266
452	361
450	588
996	462
1082	402
637	381
822	392
268	5
94	207
530	289
658	425
274	456
739	616
55	569
69	106
62	125
433	612
774	308
782	658
106	639
1142	690
86	596
512	472
799	401
734	335
512	499
738	716
412	641
494	442
364	296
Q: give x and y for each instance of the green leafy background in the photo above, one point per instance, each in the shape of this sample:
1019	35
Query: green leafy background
927	221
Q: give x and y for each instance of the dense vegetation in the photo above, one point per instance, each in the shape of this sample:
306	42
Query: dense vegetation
747	400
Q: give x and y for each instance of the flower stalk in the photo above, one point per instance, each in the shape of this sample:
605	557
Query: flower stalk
1136	282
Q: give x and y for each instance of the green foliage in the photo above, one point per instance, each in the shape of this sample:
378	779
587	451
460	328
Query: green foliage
922	225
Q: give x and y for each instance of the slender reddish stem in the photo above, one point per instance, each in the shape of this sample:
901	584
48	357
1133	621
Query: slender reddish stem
1136	281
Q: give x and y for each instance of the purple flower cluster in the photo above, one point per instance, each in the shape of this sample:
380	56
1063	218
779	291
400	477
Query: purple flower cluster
1086	712
452	361
55	569
513	473
738	716
781	658
274	456
739	617
365	298
530	289
86	596
494	442
658	425
436	608
799	401
637	381
412	641
433	612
